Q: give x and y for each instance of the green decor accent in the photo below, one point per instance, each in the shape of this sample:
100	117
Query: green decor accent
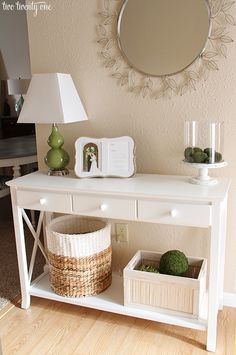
148	268
196	150
217	158
197	155
57	158
188	153
173	262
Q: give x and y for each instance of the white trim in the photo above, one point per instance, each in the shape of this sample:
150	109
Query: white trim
229	299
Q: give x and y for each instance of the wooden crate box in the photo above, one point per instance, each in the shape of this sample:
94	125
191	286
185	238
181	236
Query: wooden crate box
156	291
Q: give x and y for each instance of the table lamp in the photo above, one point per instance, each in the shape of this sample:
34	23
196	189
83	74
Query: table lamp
53	98
18	87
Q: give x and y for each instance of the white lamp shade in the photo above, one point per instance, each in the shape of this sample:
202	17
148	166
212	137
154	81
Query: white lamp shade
52	98
17	86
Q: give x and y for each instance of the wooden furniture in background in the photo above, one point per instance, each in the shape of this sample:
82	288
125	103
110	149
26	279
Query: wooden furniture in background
15	152
144	198
10	128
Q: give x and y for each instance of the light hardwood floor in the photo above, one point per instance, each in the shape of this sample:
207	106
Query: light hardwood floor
49	327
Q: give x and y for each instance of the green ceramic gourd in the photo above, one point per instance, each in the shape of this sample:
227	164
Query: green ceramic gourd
56	158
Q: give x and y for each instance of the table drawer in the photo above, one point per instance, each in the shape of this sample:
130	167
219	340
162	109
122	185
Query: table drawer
174	213
104	207
45	201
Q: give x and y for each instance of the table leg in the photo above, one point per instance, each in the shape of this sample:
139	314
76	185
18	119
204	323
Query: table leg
214	277
222	252
21	251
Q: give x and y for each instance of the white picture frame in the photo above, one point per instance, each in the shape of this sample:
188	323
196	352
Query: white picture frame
104	157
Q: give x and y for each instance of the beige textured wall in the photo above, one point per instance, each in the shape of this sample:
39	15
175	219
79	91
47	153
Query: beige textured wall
64	40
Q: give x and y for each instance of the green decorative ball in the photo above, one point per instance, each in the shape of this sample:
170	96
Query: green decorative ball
173	262
217	159
196	150
188	153
199	157
208	151
190	160
218	156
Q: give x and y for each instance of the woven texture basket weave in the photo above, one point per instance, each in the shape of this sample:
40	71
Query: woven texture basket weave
79	254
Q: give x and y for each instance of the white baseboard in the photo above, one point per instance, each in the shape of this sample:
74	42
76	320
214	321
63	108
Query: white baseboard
229	299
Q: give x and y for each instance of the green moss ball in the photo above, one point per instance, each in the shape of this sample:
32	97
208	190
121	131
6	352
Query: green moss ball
217	158
197	149
173	262
188	152
208	151
199	157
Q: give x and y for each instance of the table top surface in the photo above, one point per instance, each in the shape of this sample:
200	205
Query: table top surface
141	185
17	147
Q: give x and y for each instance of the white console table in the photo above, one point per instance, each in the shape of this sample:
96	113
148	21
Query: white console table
149	198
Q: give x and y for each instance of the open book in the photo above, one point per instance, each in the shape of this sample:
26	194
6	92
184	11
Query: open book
104	157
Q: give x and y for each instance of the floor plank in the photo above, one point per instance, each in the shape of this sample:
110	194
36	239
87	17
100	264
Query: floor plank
49	327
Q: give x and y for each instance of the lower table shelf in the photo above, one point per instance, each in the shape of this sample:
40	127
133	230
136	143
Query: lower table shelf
112	300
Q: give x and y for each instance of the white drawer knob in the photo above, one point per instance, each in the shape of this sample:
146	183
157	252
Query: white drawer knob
42	201
173	213
103	207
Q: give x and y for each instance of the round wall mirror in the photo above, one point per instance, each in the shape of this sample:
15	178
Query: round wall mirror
163	37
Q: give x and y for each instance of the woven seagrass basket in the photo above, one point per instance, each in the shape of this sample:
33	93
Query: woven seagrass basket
79	254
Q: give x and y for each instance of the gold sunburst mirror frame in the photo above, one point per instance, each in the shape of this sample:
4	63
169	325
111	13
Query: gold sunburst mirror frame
157	86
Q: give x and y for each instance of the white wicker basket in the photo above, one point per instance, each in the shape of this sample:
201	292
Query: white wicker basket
77	237
79	254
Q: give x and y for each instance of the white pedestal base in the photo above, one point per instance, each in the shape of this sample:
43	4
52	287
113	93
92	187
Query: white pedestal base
203	178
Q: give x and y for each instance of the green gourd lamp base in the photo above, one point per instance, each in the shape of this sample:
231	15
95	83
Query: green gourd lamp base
57	158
